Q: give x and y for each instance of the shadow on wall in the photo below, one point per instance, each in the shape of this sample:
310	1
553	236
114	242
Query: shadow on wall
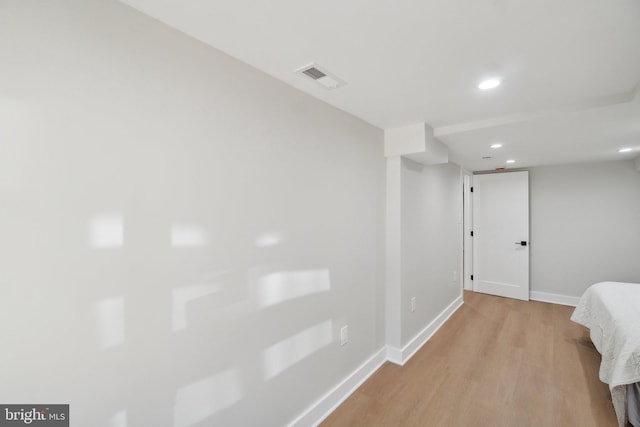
210	307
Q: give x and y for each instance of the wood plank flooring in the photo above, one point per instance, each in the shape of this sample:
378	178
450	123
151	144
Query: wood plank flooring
496	362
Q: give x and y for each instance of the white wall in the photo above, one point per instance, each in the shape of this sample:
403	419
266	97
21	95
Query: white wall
181	236
467	269
431	242
585	226
393	257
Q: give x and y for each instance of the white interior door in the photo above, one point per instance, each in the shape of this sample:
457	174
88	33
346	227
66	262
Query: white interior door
501	234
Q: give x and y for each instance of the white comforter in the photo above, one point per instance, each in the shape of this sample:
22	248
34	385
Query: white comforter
611	311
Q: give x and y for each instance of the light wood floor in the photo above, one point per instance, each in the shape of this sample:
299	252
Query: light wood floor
496	362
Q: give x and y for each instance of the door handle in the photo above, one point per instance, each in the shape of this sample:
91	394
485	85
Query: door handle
521	243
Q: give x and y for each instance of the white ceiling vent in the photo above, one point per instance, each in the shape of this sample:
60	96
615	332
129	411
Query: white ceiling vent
321	76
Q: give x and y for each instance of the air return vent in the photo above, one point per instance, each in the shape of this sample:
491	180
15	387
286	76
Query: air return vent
314	73
321	76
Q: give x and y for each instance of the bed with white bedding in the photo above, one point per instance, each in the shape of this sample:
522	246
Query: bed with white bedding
611	311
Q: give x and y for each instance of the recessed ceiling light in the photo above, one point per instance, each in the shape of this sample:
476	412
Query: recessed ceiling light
625	150
511	161
489	84
496	145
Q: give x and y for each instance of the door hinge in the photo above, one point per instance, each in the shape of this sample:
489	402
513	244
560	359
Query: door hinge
472	234
472	189
472	277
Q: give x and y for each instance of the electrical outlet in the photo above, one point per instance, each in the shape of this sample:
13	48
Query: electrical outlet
413	304
344	335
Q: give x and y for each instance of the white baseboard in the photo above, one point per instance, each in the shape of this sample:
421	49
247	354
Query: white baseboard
394	355
554	298
320	410
400	357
